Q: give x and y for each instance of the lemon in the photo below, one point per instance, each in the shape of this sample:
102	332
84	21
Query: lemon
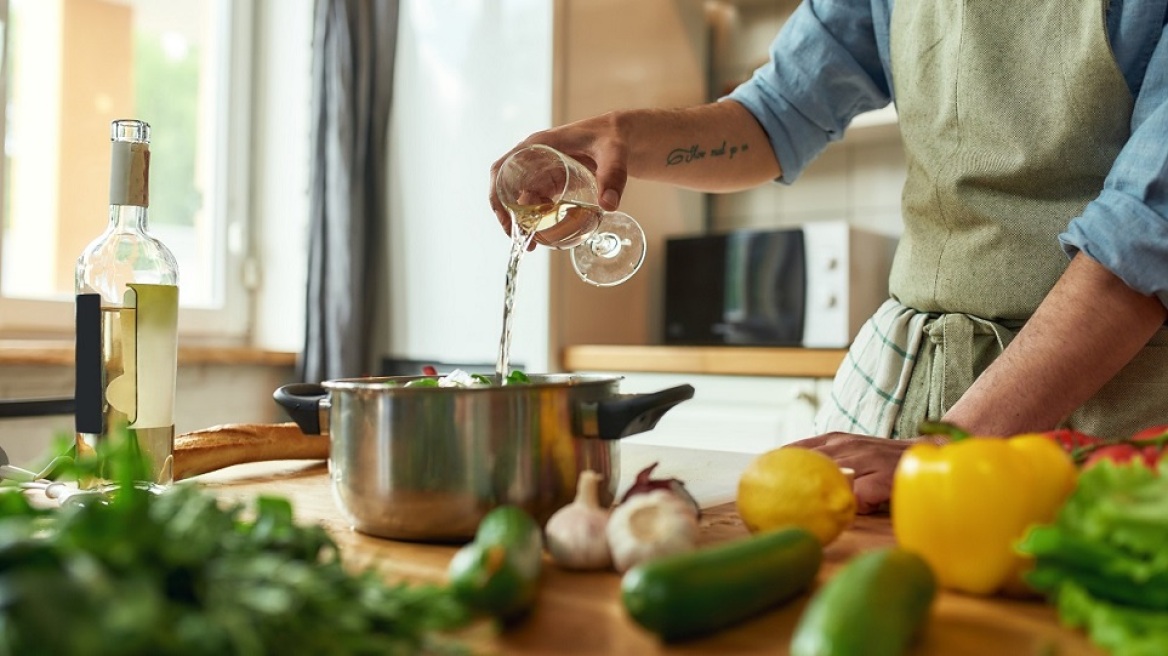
793	486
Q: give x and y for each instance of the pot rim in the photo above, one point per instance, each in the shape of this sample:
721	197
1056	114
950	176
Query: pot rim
538	381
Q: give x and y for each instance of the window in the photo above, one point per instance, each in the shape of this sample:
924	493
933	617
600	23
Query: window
70	68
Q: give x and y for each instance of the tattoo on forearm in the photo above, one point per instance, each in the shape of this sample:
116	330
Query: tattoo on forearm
695	152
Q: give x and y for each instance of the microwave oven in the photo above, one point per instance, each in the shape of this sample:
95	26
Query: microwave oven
810	286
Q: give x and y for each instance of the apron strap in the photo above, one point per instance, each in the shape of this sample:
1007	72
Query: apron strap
959	356
870	386
906	366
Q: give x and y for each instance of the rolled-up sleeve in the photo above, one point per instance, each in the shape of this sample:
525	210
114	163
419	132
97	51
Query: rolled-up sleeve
1126	227
827	65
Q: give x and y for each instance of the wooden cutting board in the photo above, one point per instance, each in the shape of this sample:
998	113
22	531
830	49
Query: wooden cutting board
581	613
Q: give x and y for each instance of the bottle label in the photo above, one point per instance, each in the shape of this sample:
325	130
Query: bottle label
129	173
136	364
145	390
87	390
157	351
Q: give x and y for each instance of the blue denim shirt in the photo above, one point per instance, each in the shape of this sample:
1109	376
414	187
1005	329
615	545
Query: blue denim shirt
831	61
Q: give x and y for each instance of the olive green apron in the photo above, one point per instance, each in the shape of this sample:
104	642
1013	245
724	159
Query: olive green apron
1012	114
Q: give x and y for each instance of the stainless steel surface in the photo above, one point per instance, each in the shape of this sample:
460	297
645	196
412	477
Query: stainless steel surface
428	463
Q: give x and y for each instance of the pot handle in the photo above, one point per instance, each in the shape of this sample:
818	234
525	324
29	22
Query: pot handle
304	403
629	414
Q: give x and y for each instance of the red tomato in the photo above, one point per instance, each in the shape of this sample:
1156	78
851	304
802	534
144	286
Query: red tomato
1124	453
1070	440
1153	454
1151	433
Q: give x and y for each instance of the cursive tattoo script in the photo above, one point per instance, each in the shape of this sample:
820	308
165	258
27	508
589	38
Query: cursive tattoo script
694	152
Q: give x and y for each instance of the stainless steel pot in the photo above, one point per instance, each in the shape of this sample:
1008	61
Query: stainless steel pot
427	463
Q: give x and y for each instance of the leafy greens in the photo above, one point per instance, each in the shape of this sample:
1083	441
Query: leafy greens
1104	560
176	573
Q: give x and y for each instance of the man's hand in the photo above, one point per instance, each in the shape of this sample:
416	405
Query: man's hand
595	142
873	459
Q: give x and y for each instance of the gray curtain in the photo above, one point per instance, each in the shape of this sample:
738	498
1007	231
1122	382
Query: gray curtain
353	52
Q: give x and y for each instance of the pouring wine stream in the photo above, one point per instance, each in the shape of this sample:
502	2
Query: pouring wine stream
549	193
522	232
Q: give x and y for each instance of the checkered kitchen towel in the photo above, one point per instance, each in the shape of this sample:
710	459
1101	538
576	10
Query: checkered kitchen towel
869	389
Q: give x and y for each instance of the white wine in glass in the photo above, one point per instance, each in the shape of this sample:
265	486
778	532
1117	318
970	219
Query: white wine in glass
556	198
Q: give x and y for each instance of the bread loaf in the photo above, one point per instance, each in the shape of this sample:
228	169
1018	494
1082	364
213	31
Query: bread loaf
217	447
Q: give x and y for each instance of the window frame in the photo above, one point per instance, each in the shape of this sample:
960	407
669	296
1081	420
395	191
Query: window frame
22	318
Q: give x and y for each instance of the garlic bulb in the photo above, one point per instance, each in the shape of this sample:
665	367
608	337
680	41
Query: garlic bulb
656	523
576	533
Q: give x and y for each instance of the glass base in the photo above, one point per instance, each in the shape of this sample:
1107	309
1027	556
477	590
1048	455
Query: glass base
613	254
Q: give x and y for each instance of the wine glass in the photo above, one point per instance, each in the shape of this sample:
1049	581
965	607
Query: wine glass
556	198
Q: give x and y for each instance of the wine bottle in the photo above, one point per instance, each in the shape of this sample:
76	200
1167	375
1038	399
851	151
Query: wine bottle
127	317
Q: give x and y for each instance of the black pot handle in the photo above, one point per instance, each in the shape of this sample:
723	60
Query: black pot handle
629	414
302	402
37	407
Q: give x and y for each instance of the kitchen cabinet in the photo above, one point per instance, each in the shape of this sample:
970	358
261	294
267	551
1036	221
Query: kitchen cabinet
747	414
745	399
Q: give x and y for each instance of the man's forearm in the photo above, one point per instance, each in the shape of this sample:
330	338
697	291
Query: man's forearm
1088	327
715	147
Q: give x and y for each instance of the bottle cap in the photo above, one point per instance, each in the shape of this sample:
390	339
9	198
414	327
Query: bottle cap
130	163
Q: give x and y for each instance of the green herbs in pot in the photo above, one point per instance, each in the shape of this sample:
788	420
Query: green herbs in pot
460	378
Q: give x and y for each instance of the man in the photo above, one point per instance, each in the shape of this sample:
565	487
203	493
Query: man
1029	287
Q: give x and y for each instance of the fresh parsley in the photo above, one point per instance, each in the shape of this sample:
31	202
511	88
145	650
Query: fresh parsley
178	573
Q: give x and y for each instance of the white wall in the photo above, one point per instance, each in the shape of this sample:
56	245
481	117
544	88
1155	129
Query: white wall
473	77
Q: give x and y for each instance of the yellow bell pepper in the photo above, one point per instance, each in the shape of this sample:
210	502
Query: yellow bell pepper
962	506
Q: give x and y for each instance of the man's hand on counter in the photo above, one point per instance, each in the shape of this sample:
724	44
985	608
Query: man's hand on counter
873	459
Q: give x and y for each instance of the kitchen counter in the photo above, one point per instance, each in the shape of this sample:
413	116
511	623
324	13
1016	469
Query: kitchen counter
723	360
580	613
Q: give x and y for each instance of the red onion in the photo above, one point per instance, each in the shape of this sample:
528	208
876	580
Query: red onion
646	483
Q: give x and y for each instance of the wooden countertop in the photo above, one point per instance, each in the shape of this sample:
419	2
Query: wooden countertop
727	360
580	613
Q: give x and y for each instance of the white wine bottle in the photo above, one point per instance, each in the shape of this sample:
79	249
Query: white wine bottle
127	317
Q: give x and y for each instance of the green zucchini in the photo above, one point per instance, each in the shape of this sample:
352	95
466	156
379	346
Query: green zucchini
874	606
694	593
498	572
